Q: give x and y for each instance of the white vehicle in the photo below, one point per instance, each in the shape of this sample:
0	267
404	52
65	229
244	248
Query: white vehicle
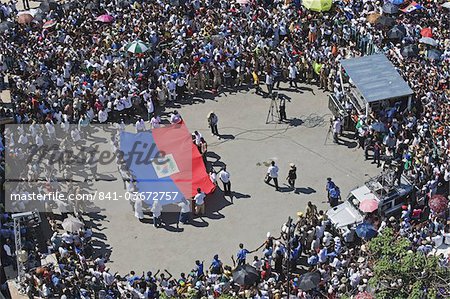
391	197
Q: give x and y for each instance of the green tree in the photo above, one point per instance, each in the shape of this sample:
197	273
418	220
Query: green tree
400	273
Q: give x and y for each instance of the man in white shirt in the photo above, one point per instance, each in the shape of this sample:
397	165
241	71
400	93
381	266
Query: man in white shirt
108	278
23	139
293	71
9	253
140	126
198	138
349	235
175	117
185	212
75	134
119	105
150	108
127	102
272	174
337	127
39	141
156	210
171	88
102	116
155	122
224	176
181	88
200	202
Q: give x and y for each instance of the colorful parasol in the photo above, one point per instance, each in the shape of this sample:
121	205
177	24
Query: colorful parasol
364	295
137	46
317	5
368	205
49	24
104	19
426	32
24	18
438	203
373	17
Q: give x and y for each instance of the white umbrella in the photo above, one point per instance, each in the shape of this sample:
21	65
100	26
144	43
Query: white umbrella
72	225
446	5
428	41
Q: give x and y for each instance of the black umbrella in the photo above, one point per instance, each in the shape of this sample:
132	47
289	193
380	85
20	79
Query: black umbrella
385	21
42	82
309	281
93	6
6	26
434	54
410	51
39	16
245	275
396	33
390	8
123	4
48	5
69	6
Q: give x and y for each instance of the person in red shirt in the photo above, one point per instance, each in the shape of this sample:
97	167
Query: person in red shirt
98	106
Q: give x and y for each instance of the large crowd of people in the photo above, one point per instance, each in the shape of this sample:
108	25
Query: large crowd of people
66	69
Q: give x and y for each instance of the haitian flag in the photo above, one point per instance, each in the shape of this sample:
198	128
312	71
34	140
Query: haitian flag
411	7
165	163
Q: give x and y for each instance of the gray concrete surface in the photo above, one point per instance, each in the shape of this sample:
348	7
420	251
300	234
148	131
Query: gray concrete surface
259	208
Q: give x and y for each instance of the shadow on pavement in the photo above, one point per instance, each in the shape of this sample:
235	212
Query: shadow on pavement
305	190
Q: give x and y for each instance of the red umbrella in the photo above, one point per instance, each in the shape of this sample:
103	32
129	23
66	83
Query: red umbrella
426	32
368	205
438	203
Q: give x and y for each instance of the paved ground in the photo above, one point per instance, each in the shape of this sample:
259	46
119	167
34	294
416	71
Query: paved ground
257	209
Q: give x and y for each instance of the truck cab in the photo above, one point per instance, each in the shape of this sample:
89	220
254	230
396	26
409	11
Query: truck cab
390	197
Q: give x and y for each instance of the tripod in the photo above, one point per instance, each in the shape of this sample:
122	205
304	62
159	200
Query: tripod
274	113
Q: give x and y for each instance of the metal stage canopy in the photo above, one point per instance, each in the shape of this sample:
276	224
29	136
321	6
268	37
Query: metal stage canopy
376	78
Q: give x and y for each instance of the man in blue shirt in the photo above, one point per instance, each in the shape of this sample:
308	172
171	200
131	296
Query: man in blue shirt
313	260
199	269
242	254
334	194
216	265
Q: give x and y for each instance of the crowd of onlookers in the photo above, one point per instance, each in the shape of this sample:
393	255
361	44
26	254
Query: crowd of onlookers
308	244
77	71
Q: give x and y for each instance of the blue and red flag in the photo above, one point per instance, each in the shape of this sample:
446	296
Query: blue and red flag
411	7
165	162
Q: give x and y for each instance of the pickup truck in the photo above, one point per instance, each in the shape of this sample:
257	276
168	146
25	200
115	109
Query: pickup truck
391	197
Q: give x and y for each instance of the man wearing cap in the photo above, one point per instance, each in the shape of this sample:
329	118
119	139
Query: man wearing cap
292	175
